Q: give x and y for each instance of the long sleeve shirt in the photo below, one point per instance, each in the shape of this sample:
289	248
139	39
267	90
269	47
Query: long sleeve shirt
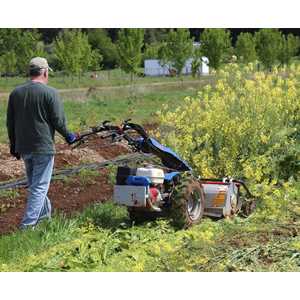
34	113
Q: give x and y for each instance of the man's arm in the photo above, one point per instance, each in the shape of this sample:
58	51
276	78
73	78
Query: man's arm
58	119
57	115
10	122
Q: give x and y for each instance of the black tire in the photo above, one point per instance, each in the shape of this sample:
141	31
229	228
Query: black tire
187	205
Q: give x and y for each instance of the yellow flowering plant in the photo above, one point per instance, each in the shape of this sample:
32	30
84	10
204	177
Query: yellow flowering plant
247	125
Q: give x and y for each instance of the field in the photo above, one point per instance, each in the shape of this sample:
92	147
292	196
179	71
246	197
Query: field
89	233
105	78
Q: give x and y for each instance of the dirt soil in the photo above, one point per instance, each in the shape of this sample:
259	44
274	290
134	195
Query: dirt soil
95	150
67	197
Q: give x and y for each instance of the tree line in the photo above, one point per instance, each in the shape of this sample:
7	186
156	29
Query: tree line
76	51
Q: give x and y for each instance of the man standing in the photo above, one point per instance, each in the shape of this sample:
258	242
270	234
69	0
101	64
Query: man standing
34	113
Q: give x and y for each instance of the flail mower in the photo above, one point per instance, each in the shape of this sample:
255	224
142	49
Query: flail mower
172	188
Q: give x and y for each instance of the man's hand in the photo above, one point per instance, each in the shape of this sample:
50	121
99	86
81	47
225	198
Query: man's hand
13	152
72	137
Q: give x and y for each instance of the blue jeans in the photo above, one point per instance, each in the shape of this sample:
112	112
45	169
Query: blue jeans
39	169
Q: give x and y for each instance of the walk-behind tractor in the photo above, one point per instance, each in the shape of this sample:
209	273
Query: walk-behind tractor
170	189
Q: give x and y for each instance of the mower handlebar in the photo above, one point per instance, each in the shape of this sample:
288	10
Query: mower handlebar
115	131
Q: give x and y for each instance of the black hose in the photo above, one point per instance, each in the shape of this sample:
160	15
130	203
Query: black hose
22	182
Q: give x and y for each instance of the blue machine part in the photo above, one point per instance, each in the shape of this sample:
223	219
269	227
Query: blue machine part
169	158
138	180
170	176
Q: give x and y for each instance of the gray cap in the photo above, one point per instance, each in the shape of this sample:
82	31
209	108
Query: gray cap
39	63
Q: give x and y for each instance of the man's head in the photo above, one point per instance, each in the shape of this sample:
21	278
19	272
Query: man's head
38	69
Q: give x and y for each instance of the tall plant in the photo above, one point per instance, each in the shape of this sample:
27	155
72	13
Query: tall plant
290	45
177	49
245	47
216	46
8	63
74	53
129	45
268	46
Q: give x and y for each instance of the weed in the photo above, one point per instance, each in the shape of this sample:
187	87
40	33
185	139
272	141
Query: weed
87	176
9	194
112	173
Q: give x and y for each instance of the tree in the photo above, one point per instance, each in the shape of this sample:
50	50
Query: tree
151	51
24	43
155	35
9	38
196	62
74	53
177	49
28	46
245	47
216	46
99	40
268	46
289	48
8	63
129	45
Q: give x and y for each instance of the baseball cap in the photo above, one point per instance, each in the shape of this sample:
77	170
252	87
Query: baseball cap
39	63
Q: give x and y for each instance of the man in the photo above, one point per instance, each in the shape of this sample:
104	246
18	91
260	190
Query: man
34	113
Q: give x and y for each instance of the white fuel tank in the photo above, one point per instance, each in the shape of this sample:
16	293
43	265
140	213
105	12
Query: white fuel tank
156	175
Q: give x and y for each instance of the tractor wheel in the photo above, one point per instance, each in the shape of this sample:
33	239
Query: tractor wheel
187	205
248	206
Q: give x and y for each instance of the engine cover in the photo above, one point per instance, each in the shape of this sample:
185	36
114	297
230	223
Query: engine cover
155	175
131	195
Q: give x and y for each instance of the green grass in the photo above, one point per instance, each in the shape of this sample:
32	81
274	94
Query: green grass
105	78
10	194
139	105
14	247
103	239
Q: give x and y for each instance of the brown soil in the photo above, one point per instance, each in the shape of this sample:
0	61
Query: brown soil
95	150
66	197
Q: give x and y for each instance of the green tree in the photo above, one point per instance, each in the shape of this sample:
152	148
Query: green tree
74	53
24	43
216	46
289	48
151	51
155	35
129	45
245	47
9	38
268	46
8	63
28	46
177	49
197	60
100	41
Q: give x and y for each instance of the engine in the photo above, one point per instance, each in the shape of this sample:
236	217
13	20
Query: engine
141	187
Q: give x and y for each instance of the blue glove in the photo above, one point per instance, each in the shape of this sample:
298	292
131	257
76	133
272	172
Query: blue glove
72	137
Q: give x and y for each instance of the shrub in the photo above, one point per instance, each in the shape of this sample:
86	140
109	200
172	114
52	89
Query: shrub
247	128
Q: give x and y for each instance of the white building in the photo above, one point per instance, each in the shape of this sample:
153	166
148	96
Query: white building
152	67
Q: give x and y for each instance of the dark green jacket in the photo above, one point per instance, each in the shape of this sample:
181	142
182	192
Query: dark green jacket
34	113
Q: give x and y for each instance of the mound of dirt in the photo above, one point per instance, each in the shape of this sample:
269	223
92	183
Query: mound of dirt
95	150
66	198
11	168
